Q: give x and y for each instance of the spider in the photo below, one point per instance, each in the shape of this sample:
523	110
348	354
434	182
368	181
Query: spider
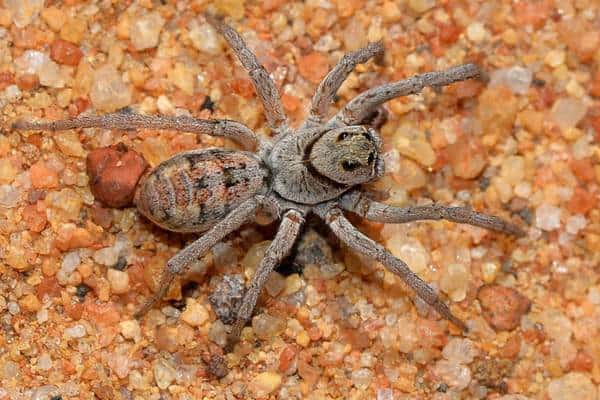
317	168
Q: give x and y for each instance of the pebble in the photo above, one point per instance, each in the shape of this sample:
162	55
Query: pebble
265	383
385	394
362	378
420	6
226	297
38	63
109	256
411	251
455	375
575	223
30	303
502	306
547	217
145	31
24	11
44	362
10	196
119	281
461	351
455	281
64	52
233	8
517	79
42	176
467	158
572	386
69	144
195	314
130	329
164	373
567	112
108	92
476	32
75	332
204	37
313	66
217	333
266	326
114	172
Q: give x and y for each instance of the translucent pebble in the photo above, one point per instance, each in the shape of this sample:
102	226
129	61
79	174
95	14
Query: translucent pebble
476	32
547	217
575	223
583	147
266	326
455	281
518	79
195	314
164	374
9	196
108	92
12	93
119	281
420	6
572	386
455	375
567	112
9	370
30	62
70	262
130	329
461	351
385	394
13	308
332	270
145	31
76	331
44	362
362	378
204	37
45	392
411	251
218	333
24	11
556	324
265	383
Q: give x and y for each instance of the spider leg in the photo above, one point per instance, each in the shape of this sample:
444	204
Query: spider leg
365	103
359	204
177	264
360	243
263	84
331	83
128	120
278	249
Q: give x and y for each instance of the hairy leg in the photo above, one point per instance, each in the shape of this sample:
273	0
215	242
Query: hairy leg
365	103
359	204
177	264
263	84
128	120
331	83
278	249
360	243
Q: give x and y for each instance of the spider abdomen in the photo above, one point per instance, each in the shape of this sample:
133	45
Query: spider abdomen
193	190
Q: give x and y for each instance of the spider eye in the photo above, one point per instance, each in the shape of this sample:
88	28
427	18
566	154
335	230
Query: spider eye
371	158
350	165
342	136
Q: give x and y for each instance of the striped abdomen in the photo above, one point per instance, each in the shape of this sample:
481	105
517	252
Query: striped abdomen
192	191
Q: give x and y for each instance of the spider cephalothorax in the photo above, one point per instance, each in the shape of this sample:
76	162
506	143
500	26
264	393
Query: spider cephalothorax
317	168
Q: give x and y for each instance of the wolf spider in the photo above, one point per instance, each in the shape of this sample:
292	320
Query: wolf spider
317	168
